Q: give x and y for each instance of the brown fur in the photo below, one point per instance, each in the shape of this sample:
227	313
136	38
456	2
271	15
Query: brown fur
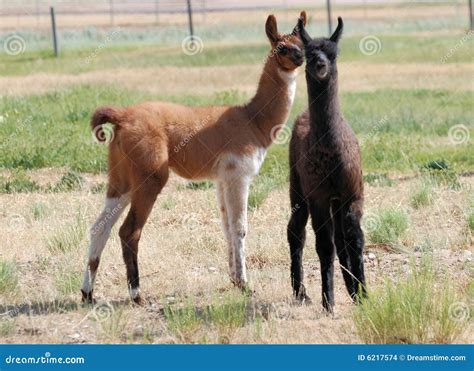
152	138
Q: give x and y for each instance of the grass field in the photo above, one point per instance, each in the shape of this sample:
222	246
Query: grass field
411	106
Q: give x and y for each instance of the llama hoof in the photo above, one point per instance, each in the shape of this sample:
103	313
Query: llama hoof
244	287
301	296
138	300
304	299
87	297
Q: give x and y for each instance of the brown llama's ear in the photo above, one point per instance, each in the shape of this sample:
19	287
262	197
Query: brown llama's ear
336	36
271	28
303	17
305	38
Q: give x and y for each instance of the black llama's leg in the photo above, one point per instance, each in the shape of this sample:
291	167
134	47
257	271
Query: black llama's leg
323	228
296	233
354	241
338	211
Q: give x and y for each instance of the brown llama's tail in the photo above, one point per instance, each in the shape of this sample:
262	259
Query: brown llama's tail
102	115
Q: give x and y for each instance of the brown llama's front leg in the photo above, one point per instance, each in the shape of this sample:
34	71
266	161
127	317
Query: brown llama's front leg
143	198
226	227
354	242
323	228
296	235
236	198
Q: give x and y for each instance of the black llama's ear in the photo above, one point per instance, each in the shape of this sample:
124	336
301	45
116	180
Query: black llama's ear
303	17
302	31
336	36
271	28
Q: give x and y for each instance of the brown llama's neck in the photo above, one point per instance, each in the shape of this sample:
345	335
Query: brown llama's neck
324	109
272	103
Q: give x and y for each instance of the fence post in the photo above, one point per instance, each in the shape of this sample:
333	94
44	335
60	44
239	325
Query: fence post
329	16
55	35
190	18
471	21
156	12
111	3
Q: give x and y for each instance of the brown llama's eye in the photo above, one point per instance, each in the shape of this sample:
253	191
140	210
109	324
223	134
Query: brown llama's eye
283	50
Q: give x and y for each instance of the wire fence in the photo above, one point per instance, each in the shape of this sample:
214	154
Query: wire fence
164	22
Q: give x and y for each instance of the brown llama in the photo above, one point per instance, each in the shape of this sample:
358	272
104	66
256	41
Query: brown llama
226	144
325	177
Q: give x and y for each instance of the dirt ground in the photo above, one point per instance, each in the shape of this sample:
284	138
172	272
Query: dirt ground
183	258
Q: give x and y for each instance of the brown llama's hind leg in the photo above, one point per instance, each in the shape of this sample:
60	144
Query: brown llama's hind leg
115	203
296	234
142	199
354	241
325	247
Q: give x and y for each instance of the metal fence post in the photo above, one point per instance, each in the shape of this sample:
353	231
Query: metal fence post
329	16
190	18
55	35
471	25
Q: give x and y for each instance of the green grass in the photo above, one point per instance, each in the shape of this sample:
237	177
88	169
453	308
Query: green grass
223	316
39	210
67	238
71	181
396	49
18	182
8	277
470	220
419	308
413	133
391	224
423	196
68	283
